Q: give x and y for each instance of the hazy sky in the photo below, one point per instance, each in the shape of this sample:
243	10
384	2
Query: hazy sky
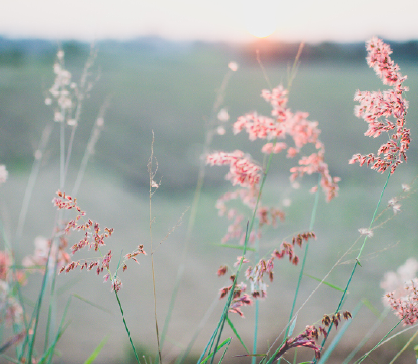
294	20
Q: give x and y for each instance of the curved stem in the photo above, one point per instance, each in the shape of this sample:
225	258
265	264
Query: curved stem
357	263
126	328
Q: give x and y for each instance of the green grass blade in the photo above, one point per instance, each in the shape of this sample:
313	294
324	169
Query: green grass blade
60	329
236	334
369	305
326	283
223	355
404	347
96	351
126	328
292	326
65	287
356	264
368	334
92	304
226	341
31	341
218	330
50	350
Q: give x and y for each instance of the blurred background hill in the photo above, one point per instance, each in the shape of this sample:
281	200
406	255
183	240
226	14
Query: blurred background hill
169	87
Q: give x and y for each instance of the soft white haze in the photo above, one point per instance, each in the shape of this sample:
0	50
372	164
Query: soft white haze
220	20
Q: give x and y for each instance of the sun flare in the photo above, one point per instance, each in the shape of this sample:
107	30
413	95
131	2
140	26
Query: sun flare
260	17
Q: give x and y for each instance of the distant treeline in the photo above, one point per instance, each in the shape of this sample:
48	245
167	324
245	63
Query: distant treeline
327	51
16	52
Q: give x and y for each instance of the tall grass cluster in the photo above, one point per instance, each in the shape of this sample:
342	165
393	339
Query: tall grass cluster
79	242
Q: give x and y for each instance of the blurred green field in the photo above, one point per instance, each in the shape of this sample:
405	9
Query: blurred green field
171	92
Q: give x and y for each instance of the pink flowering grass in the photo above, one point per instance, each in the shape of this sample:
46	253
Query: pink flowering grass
284	134
385	112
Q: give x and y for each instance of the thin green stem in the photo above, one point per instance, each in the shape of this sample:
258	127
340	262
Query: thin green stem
374	215
367	336
247	236
31	341
199	328
52	302
357	263
340	334
311	225
151	220
94	136
218	330
257	303
378	344
404	348
126	328
196	198
62	153
46	133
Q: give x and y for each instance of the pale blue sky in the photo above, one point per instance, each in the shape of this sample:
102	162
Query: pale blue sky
224	20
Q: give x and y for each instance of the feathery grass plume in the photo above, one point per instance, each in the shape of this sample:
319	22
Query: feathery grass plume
11	311
402	291
247	174
373	106
309	337
94	239
385	112
3	174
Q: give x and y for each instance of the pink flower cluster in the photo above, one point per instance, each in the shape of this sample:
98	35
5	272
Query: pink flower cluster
10	308
406	307
246	173
295	125
402	291
255	275
39	259
242	170
93	239
385	112
282	124
239	298
309	336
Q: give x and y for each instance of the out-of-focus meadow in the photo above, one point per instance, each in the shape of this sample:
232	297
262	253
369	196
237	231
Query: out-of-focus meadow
170	88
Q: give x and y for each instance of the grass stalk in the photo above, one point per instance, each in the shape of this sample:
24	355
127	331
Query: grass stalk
126	327
340	334
218	330
62	153
367	336
199	328
36	313
46	133
152	184
257	304
94	136
357	263
247	236
196	198
302	268
52	302
256	313
411	339
383	340
81	93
